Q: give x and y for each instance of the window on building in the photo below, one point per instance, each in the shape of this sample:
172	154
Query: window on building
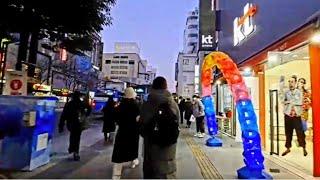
193	26
115	62
116	57
123	67
185	78
193	35
124	57
114	67
192	44
114	72
131	62
123	62
114	77
185	62
108	61
123	72
193	18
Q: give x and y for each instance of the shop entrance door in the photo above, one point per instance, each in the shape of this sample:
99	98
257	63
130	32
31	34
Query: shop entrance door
274	122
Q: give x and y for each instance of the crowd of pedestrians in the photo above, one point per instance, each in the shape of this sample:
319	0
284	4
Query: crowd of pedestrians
156	120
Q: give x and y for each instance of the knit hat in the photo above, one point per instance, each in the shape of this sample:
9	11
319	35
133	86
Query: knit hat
130	93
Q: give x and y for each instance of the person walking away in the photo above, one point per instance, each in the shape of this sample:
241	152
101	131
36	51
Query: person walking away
188	112
109	125
198	113
181	108
292	116
72	112
160	113
126	144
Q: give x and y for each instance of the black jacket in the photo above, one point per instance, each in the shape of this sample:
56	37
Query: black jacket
71	114
126	144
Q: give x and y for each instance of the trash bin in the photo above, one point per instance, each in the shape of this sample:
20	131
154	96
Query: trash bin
28	125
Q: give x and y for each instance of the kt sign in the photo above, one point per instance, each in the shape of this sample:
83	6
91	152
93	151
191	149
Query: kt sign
243	26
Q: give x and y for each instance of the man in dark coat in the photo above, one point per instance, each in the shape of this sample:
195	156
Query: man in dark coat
181	108
159	162
188	111
72	112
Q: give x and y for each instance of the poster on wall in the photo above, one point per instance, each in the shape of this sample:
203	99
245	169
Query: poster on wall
16	83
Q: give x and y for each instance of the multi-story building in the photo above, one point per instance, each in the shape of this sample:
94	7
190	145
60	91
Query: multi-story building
125	64
187	82
191	35
186	74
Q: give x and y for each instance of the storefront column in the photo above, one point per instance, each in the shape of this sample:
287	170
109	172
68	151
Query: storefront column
315	86
262	112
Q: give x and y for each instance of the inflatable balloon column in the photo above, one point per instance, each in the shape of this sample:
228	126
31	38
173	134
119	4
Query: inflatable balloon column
252	153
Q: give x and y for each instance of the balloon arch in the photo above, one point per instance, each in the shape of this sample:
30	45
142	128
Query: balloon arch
252	153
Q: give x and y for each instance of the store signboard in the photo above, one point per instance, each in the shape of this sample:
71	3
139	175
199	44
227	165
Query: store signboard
16	83
244	26
207	28
272	21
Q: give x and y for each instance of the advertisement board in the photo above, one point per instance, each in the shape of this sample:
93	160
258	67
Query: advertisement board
207	23
16	83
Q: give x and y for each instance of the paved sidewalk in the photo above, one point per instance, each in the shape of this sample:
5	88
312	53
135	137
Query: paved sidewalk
96	163
228	159
194	159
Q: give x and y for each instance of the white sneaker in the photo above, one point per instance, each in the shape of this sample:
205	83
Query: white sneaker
135	163
201	135
196	135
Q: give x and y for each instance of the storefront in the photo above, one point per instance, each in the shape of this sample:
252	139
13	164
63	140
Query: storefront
261	35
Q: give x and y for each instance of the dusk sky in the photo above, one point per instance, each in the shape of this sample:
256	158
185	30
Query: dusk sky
156	25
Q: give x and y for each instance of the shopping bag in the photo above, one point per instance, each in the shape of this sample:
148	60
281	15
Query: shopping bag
192	119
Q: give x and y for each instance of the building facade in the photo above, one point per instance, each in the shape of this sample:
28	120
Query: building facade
270	46
126	66
186	61
186	74
190	38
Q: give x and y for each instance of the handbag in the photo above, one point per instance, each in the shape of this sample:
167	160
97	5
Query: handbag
192	118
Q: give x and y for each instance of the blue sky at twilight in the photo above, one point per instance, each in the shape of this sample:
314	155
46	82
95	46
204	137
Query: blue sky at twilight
156	25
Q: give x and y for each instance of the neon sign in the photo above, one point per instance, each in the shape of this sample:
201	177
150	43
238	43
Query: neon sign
243	26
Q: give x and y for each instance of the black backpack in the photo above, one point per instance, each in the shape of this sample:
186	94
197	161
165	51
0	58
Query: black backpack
164	130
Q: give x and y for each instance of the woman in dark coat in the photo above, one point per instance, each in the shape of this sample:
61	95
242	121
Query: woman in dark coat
126	144
109	125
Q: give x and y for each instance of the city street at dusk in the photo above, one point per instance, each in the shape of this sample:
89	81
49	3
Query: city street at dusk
197	89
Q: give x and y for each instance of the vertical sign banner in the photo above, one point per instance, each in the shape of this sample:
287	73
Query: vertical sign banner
16	83
207	23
